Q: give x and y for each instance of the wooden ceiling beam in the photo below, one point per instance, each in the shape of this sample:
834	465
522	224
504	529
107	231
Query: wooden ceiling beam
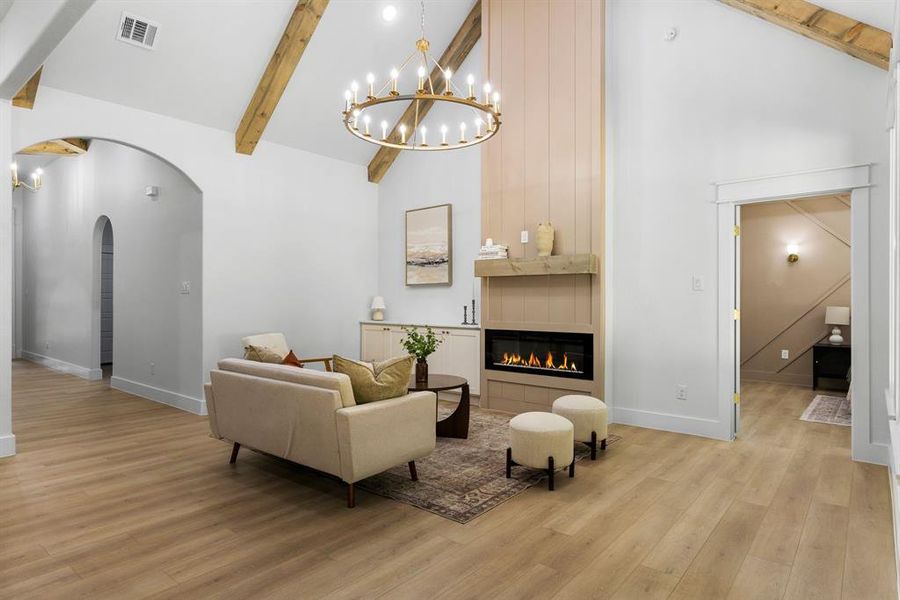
25	97
835	30
278	73
452	58
63	147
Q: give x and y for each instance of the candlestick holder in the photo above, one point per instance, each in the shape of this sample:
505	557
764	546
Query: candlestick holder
465	315
474	322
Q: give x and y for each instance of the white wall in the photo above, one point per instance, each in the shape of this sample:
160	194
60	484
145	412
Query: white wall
7	438
158	330
420	179
731	97
289	237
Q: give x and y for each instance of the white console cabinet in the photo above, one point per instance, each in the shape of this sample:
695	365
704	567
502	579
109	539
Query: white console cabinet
458	354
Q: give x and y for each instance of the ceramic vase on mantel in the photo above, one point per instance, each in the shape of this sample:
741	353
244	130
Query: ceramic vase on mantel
544	239
421	370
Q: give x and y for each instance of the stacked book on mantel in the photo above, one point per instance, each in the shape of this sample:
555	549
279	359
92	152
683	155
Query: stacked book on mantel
491	251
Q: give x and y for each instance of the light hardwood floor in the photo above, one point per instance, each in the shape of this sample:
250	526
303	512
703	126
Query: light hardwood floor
112	496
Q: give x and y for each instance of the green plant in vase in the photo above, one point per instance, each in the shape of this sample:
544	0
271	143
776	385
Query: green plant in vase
420	346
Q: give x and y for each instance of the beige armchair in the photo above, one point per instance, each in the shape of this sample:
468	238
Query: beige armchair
278	343
310	417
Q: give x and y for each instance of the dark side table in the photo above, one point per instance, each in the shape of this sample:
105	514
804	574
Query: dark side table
831	361
457	424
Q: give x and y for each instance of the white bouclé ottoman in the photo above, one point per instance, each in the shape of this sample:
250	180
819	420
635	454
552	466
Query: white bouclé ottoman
588	416
541	440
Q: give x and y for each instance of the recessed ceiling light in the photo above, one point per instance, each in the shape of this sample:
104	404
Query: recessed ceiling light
389	13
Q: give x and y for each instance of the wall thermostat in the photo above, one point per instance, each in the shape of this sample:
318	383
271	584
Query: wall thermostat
152	191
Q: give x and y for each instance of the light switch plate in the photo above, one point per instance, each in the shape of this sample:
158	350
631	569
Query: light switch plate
524	236
697	283
185	287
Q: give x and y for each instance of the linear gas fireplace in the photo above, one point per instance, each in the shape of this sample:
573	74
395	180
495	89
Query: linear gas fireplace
557	354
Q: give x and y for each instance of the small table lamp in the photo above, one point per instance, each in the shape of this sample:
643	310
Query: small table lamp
378	308
837	315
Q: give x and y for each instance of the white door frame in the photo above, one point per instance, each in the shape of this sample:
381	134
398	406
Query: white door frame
853	179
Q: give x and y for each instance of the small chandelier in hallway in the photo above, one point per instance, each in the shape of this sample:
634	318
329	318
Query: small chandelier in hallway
37	178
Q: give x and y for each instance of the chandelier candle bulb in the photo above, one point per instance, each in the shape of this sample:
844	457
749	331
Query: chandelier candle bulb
443	135
497	102
384	125
462	133
367	119
354	87
478	122
487	93
403	134
423	130
448	74
347	97
356	119
370	79
421	73
471	81
394	75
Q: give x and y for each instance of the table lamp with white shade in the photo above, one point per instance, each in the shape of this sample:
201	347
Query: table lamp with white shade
378	308
837	315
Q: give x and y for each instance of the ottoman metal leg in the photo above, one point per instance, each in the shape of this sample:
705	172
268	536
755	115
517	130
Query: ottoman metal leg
593	445
550	471
603	444
572	468
509	463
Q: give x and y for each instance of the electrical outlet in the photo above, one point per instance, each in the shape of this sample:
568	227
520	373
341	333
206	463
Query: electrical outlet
524	236
697	283
185	287
681	392
785	354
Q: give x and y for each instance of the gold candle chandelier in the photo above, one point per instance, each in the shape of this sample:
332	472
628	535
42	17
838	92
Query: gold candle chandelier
360	120
37	178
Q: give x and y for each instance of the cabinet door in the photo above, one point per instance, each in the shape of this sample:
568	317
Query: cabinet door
465	353
373	342
440	362
394	349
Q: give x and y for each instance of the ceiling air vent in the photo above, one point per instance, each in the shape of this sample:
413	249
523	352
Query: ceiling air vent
137	31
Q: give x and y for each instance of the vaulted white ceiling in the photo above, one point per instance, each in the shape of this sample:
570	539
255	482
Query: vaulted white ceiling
210	54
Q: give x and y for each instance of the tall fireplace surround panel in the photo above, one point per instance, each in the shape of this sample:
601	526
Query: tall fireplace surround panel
546	166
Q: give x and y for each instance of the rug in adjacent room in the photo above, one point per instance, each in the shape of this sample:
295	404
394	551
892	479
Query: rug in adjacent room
463	479
834	410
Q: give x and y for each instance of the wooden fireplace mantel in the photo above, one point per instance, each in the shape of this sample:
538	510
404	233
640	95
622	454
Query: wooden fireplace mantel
567	264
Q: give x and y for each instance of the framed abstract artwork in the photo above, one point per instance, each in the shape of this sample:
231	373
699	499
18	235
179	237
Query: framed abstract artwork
429	246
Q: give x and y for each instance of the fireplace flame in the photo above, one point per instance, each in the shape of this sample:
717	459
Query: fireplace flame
533	361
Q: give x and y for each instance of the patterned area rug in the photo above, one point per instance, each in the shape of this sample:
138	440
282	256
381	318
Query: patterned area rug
463	479
834	410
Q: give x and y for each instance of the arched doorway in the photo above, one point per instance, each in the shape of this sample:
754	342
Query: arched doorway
102	324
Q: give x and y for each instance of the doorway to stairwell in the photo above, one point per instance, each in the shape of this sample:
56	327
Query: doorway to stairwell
106	297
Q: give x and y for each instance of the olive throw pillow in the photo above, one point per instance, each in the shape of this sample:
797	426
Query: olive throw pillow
378	381
262	354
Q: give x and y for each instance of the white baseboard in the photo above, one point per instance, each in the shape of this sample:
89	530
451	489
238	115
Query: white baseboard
710	428
63	366
186	403
7	445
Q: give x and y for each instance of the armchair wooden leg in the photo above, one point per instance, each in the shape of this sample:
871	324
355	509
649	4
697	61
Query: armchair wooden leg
234	453
508	463
550	471
412	471
351	496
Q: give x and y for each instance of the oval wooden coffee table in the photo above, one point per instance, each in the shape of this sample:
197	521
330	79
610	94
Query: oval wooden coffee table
457	424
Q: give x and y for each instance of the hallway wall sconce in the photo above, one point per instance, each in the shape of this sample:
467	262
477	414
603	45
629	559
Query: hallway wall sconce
37	178
793	251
